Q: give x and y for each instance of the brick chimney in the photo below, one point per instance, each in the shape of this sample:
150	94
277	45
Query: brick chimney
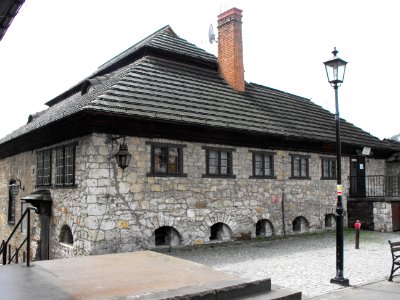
230	48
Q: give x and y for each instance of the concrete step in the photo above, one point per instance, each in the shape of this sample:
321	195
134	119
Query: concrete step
276	293
230	290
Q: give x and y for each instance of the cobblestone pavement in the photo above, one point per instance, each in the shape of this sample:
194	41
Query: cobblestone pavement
305	263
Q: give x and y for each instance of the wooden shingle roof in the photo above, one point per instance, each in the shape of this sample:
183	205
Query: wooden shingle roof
165	78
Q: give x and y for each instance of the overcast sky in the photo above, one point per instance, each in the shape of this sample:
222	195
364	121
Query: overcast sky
53	44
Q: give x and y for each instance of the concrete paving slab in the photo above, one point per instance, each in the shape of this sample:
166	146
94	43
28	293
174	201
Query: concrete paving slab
106	277
384	290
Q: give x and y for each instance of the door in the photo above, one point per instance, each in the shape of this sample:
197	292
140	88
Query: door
357	176
396	215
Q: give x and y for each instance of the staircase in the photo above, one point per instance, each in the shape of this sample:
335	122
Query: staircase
6	250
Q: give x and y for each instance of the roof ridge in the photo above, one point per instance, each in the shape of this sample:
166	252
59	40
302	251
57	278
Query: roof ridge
141	43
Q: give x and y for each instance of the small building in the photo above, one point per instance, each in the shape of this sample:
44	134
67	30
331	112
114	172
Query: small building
213	157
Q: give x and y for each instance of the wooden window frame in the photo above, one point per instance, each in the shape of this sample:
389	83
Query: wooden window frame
307	158
167	147
11	207
332	172
229	166
263	155
63	166
40	168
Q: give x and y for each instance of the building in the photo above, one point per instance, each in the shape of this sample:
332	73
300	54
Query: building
214	158
8	11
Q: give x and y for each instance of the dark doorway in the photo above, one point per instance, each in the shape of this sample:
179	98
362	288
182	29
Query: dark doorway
396	216
167	236
357	176
264	228
220	232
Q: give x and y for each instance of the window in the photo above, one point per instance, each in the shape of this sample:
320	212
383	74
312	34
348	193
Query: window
166	160
65	165
328	168
218	162
43	173
263	165
11	205
66	236
300	168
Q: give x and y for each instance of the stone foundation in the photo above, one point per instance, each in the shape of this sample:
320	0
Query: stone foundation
110	210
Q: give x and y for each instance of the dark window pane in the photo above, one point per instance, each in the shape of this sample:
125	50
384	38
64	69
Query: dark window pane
267	165
46	168
333	166
213	162
69	165
59	166
160	159
258	165
296	166
173	160
224	163
303	167
325	168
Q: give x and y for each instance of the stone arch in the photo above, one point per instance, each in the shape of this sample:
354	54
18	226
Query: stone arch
167	236
264	228
330	221
300	224
216	217
66	236
220	232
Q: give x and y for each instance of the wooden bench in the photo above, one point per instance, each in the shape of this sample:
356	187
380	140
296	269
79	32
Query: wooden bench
395	248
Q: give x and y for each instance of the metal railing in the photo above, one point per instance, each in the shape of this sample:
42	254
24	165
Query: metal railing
374	186
6	247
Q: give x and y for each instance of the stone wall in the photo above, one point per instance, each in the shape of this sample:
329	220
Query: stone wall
383	216
110	210
393	168
374	167
126	213
17	167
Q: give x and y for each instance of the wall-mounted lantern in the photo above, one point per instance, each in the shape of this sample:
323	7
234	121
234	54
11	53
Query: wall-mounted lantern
123	156
15	187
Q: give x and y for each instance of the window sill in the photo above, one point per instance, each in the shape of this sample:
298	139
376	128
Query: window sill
262	177
69	246
326	178
300	178
217	176
11	222
165	175
72	186
49	186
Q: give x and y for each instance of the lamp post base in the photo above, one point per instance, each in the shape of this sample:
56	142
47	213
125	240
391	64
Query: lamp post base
341	281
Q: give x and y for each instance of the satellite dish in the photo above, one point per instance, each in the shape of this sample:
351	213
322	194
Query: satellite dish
211	34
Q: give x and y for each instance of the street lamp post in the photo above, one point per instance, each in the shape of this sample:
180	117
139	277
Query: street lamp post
335	70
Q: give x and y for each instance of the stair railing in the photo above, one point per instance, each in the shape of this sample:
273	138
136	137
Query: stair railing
5	243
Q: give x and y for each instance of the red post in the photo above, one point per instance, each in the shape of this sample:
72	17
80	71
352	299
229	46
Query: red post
357	226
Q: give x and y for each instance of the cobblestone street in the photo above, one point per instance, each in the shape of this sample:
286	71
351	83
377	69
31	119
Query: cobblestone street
305	263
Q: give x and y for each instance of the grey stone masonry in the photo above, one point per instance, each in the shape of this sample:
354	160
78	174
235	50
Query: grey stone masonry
383	216
110	210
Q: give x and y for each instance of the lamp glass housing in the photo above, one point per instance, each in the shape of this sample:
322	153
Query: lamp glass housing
123	156
335	69
14	188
